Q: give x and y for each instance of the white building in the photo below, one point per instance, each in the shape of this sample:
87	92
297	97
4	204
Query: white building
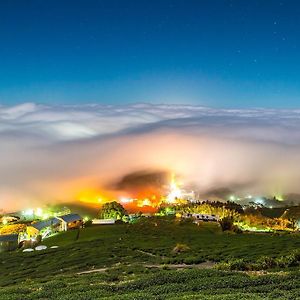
103	221
201	217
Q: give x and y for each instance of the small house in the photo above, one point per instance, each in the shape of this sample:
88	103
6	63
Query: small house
9	242
55	224
43	227
70	221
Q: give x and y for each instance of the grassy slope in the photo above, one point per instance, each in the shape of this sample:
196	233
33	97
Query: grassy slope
125	250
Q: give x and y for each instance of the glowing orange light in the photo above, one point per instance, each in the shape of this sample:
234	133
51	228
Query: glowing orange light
91	196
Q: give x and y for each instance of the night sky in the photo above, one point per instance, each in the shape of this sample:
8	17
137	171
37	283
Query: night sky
212	53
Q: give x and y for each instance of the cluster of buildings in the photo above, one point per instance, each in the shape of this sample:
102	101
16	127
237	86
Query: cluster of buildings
55	224
41	230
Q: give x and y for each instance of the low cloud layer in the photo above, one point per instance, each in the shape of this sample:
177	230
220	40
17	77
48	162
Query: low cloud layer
56	153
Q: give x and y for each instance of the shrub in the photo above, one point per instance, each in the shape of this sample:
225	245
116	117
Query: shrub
222	266
179	248
237	229
88	223
266	262
193	260
238	264
186	221
119	222
291	260
263	263
226	223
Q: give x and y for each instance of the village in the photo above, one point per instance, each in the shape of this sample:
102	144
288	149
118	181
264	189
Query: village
33	230
120	238
26	230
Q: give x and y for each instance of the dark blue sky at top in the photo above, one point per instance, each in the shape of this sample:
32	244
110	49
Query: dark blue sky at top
213	53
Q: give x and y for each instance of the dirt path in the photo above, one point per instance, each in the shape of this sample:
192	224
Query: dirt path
92	271
147	253
204	265
262	273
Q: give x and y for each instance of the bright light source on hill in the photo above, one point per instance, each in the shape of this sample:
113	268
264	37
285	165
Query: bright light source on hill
45	216
175	192
125	200
260	201
39	212
28	212
146	202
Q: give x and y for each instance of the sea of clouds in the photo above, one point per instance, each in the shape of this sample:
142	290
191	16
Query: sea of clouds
51	152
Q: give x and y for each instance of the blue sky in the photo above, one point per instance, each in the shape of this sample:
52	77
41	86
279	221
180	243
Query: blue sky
213	53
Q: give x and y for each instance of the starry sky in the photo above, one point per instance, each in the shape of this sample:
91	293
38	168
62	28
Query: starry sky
213	53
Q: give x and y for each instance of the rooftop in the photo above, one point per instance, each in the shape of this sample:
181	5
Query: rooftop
71	218
47	223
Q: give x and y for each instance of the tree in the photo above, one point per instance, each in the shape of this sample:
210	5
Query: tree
293	223
215	208
112	210
226	223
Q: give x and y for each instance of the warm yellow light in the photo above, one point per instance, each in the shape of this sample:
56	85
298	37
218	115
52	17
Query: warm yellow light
39	212
175	192
146	202
91	196
45	216
125	200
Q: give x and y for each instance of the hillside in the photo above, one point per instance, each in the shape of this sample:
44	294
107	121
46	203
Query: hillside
135	260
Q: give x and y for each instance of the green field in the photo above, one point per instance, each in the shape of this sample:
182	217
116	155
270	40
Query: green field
137	262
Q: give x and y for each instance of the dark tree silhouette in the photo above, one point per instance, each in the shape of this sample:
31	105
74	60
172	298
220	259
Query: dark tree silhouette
112	210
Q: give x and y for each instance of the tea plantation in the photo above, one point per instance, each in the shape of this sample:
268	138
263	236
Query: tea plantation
139	262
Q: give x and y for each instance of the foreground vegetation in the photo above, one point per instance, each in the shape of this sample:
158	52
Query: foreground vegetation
157	258
161	284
